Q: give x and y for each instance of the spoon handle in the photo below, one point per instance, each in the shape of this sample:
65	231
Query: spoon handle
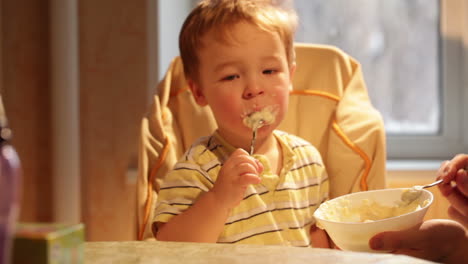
433	184
252	143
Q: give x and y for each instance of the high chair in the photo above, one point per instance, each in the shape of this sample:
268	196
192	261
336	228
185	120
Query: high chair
329	107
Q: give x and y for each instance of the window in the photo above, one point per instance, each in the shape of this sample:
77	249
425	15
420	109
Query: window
412	58
413	54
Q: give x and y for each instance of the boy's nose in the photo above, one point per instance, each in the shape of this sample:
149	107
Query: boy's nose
252	92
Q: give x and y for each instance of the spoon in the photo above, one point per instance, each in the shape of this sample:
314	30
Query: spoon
431	184
259	124
414	192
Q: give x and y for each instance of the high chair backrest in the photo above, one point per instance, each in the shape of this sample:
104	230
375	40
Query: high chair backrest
329	107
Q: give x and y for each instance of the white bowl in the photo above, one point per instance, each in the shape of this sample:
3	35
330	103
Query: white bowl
354	235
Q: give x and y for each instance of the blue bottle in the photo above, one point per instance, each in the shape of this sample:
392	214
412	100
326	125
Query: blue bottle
10	180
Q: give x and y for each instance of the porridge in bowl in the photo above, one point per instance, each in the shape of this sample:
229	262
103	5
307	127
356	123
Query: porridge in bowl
351	220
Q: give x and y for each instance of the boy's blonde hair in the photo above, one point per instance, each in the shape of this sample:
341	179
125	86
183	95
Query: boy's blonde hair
221	15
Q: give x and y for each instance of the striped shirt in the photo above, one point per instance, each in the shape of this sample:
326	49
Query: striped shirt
279	210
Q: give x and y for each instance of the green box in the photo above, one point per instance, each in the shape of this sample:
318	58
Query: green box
48	243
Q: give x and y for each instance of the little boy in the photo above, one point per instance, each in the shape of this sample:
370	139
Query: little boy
238	59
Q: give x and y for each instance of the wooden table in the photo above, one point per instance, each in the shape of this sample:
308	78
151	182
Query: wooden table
132	252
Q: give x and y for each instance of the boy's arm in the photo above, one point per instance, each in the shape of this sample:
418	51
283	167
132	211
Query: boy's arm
202	222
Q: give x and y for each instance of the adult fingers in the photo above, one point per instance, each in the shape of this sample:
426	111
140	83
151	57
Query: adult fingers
443	172
458	201
455	215
396	240
433	239
448	169
445	188
460	161
462	182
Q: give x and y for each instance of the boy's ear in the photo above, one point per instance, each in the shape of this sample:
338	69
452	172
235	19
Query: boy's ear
292	70
197	93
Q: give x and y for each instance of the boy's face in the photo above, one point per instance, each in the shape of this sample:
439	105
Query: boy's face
240	76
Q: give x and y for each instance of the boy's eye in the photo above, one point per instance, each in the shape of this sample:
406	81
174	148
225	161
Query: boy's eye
269	71
230	77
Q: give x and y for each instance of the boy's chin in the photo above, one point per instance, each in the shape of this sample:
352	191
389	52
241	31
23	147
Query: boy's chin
265	132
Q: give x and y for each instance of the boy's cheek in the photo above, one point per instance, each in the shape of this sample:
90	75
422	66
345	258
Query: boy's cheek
226	111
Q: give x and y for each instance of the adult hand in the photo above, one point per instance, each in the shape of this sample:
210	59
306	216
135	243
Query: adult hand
436	240
239	170
455	187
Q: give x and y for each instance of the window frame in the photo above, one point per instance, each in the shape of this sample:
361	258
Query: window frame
453	135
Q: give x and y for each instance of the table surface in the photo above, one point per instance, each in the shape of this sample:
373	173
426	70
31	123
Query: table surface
132	252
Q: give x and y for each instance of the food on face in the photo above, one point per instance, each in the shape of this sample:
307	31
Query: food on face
341	210
260	118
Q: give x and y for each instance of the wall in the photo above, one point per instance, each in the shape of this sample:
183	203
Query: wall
26	95
114	84
113	80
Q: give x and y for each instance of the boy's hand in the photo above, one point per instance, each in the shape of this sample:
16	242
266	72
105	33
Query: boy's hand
239	170
319	238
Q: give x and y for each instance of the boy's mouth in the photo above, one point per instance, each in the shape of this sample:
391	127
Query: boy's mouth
250	110
260	117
